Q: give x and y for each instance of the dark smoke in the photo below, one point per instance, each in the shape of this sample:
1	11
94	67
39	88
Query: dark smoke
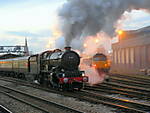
80	18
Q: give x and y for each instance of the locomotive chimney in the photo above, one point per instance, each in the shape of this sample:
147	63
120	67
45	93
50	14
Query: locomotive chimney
68	48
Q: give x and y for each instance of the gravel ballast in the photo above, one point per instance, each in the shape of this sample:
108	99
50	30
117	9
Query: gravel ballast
15	106
68	101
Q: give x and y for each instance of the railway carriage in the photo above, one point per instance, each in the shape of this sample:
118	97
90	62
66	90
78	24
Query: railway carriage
15	67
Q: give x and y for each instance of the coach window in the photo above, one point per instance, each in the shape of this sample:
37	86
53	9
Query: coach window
122	56
132	55
127	55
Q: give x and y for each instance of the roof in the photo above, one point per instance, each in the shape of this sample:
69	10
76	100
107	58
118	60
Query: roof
136	33
133	38
99	55
6	56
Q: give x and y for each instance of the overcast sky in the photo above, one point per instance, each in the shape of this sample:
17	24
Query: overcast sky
34	19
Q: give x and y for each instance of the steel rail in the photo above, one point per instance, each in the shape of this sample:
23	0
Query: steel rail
90	97
120	91
121	85
130	82
126	105
135	78
4	109
23	101
35	100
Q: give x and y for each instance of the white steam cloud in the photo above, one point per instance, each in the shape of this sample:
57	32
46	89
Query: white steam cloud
81	18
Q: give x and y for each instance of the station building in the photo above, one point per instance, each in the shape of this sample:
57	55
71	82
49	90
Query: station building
131	54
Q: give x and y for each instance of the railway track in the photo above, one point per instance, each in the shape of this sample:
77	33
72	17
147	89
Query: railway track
128	80
124	86
36	102
145	79
105	89
121	104
113	87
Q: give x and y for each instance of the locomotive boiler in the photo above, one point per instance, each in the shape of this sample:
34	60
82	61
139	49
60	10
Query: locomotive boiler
68	60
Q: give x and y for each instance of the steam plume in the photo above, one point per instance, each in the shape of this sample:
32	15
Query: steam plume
81	18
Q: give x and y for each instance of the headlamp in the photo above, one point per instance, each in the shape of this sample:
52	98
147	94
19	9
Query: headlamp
66	80
63	75
85	79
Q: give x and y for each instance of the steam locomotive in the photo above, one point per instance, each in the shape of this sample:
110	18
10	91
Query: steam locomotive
57	68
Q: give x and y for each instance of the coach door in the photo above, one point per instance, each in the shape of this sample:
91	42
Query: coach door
33	64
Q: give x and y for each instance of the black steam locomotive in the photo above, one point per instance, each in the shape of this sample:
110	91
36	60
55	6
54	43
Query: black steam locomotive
57	68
